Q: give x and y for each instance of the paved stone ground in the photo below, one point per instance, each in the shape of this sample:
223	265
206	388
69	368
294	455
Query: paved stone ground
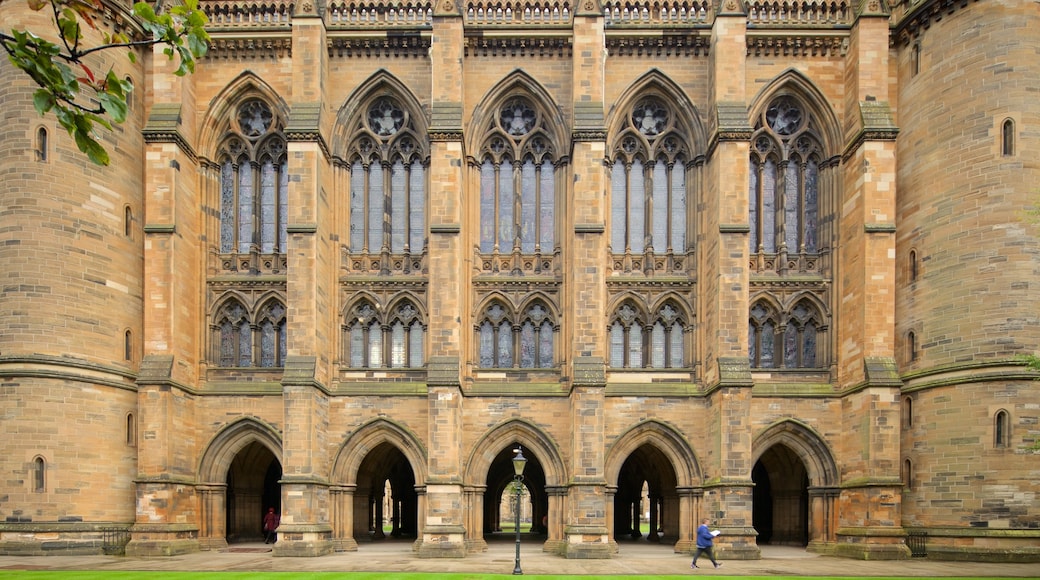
636	558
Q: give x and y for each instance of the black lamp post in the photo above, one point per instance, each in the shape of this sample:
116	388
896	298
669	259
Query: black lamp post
519	462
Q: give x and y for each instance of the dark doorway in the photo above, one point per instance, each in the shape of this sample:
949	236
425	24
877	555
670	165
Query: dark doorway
500	502
781	498
252	487
646	505
386	505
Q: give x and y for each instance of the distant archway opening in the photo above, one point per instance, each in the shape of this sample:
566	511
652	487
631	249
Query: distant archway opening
386	504
252	487
781	498
646	505
500	503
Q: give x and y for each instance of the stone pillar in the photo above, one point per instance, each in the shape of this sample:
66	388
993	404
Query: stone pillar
871	525
587	534
167	509
444	532
724	245
341	497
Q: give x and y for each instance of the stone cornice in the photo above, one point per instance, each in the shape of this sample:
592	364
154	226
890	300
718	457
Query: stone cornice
658	42
394	43
918	18
66	369
256	46
821	43
522	42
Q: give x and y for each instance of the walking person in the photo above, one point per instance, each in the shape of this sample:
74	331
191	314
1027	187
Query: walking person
271	521
705	543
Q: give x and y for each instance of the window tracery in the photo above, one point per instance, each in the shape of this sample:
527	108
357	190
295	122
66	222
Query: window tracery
377	339
649	188
238	331
387	164
784	339
638	340
523	339
254	183
784	187
517	168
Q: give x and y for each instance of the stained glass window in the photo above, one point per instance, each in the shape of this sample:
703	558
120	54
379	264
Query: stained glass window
784	181
517	182
254	183
648	182
387	182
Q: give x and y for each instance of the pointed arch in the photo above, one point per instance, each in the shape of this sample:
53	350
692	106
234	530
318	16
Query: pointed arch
350	116
665	439
795	83
516	83
221	111
655	83
357	445
222	448
655	142
806	443
380	144
536	442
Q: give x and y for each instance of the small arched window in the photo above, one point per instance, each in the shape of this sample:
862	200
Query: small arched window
912	266
908	474
1001	429
915	60
131	430
128	222
41	144
39	475
911	346
128	345
908	412
1007	138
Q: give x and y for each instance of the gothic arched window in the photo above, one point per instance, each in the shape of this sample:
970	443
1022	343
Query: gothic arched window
392	340
1001	429
800	337
254	183
235	336
387	182
656	341
762	336
529	343
648	182
518	183
271	324
784	181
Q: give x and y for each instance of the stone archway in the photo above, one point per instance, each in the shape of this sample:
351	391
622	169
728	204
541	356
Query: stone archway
378	478
238	480
653	455
796	486
489	474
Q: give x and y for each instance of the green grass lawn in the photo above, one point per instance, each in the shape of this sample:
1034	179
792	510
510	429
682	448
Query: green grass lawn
155	575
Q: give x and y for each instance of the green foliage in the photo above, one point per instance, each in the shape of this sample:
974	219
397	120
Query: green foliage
58	68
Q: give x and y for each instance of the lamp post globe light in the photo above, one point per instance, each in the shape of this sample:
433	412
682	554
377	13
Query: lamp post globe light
519	462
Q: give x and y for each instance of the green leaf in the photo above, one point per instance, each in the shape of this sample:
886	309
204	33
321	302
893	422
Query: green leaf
43	101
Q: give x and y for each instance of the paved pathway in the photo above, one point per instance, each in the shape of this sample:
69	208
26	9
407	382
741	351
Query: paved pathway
636	558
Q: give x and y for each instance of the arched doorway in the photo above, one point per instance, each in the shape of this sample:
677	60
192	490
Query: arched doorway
252	487
386	504
781	498
796	487
500	504
646	504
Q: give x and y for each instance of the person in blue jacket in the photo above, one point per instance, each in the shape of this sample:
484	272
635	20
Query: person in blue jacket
705	541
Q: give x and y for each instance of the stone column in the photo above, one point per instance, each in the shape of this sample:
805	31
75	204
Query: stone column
871	525
724	250
167	509
444	532
586	533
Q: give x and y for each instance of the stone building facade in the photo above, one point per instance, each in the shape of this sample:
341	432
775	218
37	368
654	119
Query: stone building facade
762	262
